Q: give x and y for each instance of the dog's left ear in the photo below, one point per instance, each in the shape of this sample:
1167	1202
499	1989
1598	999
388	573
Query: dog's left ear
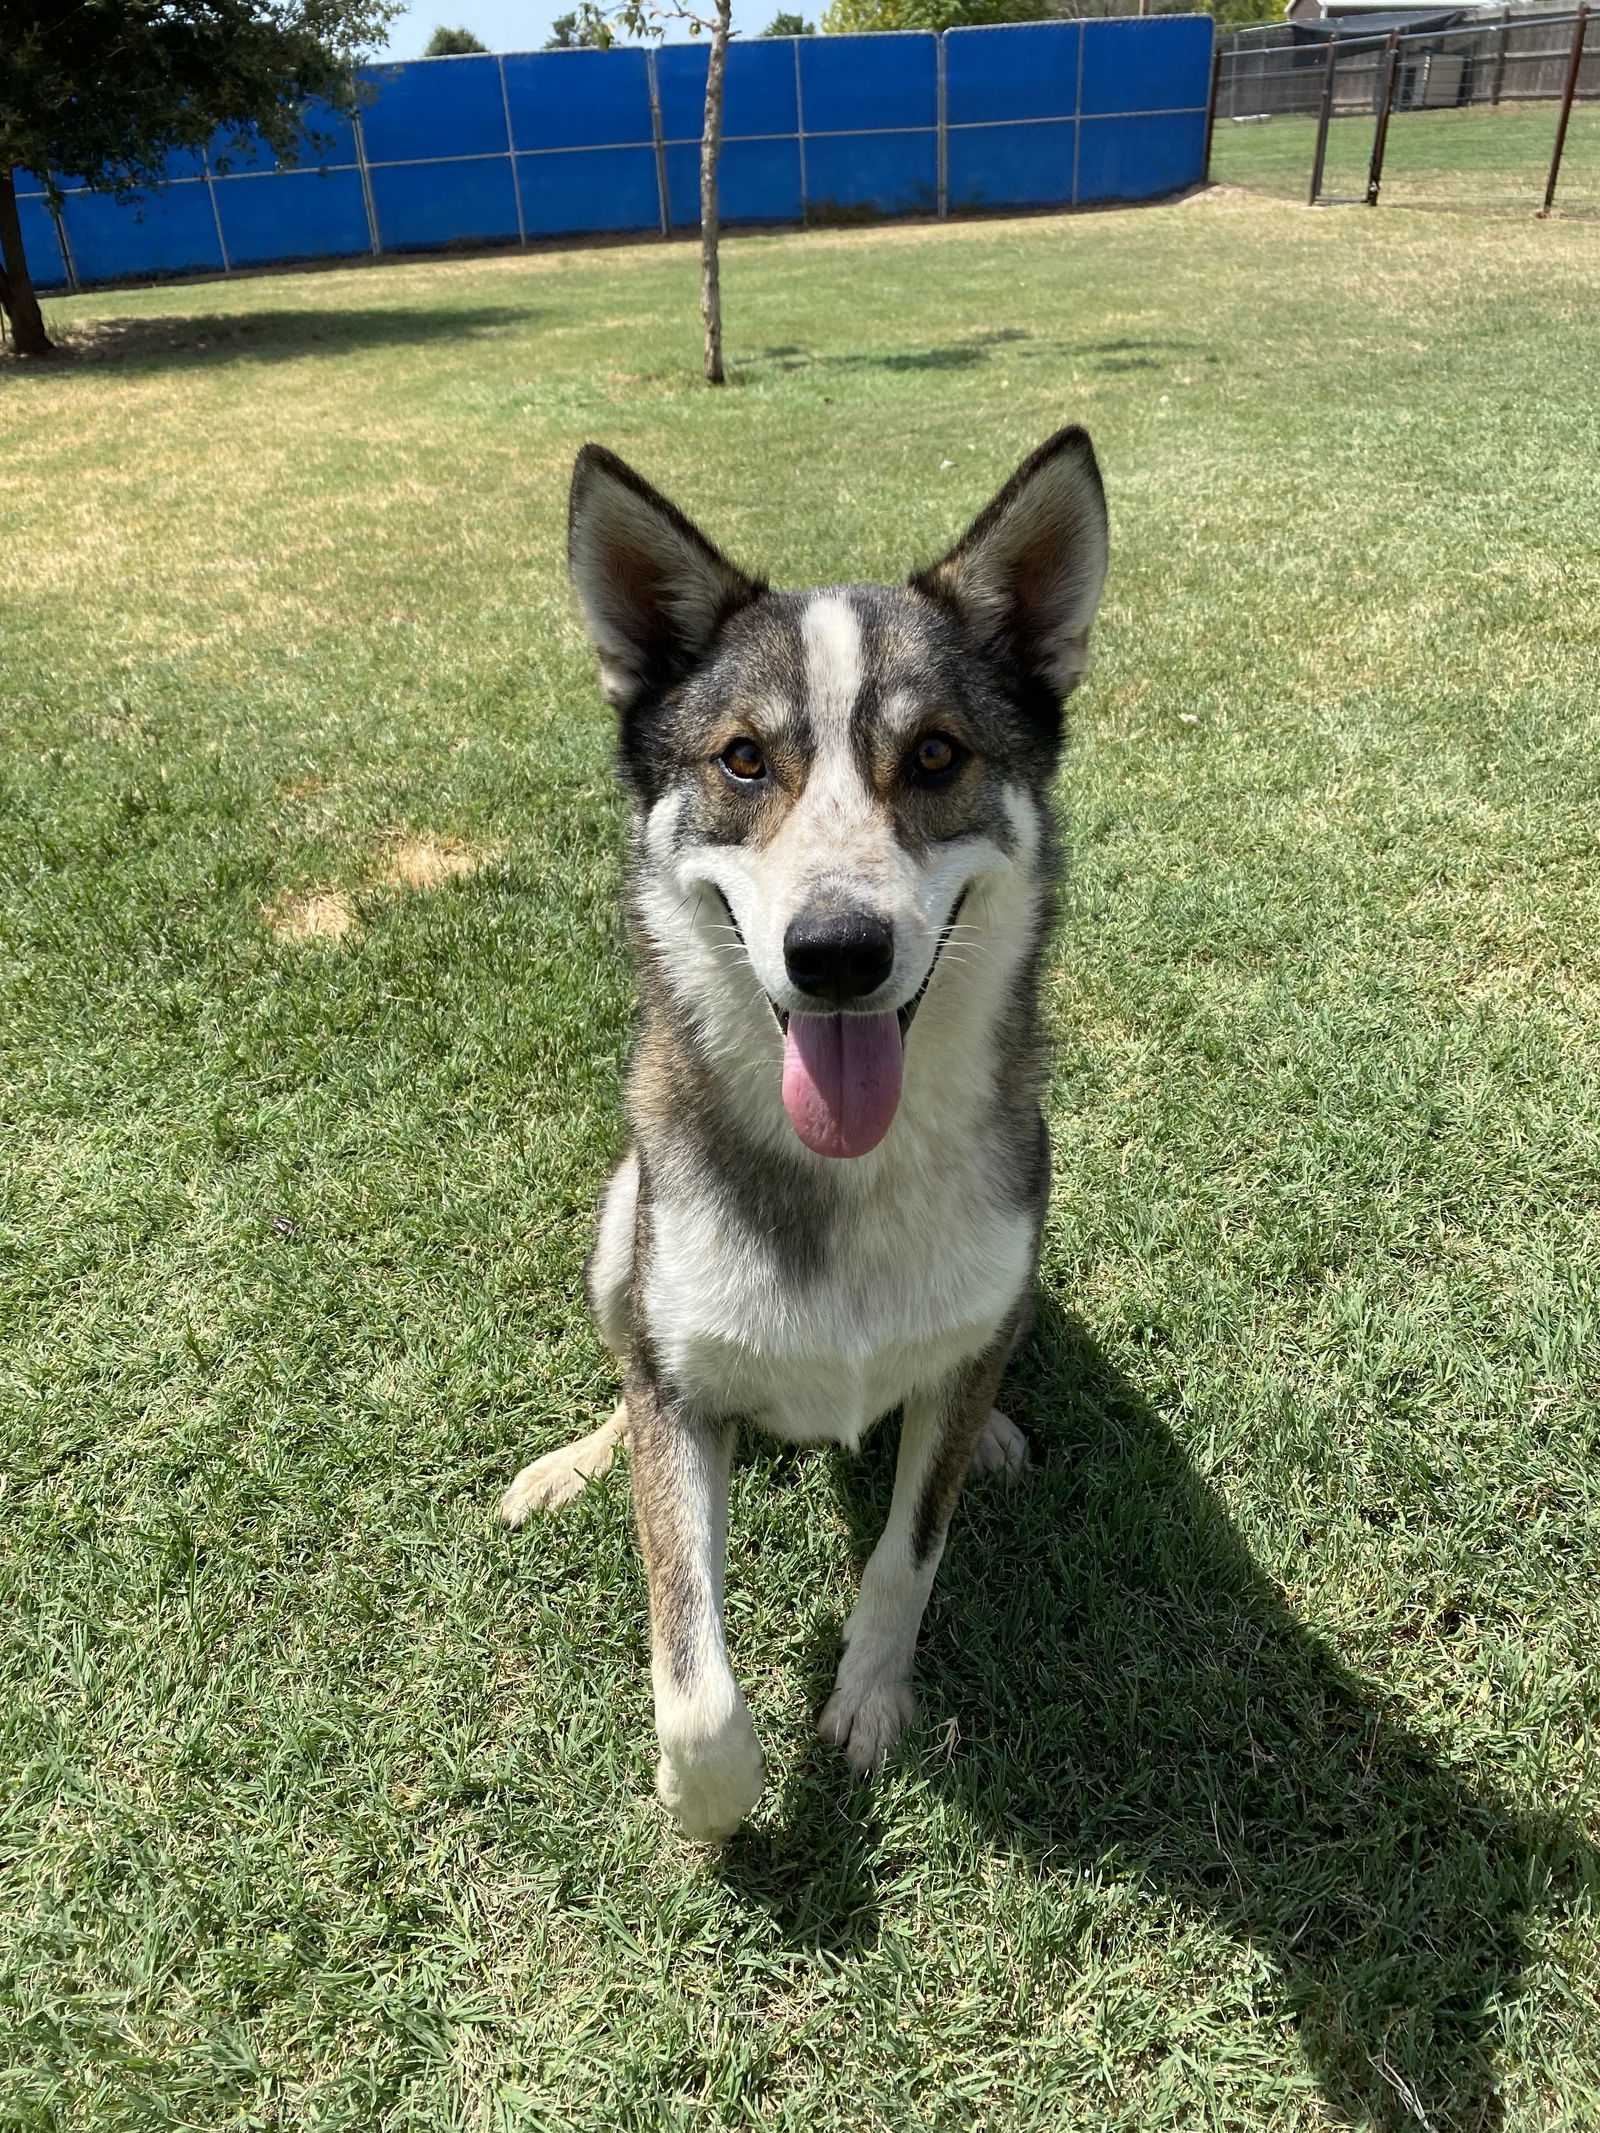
1027	574
653	590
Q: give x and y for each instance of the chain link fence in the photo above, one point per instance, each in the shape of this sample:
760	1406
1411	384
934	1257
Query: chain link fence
1462	115
523	147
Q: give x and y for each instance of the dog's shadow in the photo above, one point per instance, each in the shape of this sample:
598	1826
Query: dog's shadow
1133	1690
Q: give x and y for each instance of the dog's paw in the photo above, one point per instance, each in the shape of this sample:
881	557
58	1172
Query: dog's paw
1002	1449
709	1785
546	1485
866	1718
561	1475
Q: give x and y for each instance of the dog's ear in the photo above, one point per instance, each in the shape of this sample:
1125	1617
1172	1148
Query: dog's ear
653	590
1027	574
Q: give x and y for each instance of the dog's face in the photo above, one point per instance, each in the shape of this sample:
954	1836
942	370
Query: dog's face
825	779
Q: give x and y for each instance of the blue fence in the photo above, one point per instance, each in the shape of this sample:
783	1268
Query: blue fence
547	144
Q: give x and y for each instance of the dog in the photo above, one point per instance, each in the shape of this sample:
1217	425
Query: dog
841	878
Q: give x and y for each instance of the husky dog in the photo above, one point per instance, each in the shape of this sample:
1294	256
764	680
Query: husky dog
842	863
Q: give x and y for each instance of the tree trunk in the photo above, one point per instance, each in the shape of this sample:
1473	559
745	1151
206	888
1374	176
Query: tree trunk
28	336
710	150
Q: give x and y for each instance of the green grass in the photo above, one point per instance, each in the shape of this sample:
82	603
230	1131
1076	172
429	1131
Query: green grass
1478	160
1254	1787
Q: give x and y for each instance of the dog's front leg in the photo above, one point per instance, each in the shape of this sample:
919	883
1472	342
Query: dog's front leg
872	1699
711	1771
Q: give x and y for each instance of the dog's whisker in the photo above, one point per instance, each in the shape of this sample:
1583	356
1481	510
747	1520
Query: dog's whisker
696	889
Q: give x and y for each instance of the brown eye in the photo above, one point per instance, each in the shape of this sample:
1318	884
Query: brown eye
934	759
743	759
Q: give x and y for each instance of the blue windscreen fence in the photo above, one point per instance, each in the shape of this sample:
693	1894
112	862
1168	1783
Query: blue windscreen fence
531	145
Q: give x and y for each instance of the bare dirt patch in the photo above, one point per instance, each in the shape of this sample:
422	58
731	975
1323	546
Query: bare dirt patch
1218	196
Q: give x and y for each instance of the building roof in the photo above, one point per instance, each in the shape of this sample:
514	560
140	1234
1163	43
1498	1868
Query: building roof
1376	18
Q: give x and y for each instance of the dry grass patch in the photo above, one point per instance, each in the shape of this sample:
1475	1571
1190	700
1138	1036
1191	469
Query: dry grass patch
318	915
421	862
427	862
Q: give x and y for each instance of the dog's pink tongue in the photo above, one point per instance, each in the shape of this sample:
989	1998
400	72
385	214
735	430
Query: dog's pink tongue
841	1080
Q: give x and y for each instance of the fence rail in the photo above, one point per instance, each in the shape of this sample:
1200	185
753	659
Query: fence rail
1511	61
531	145
1500	117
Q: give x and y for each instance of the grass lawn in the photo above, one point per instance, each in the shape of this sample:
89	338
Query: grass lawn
1254	1786
1479	159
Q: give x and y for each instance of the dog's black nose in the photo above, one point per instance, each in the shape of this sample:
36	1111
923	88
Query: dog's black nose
838	955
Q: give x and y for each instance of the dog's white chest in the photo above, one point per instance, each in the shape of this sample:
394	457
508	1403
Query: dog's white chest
906	1286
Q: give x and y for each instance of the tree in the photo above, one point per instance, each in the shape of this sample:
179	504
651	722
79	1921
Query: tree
789	26
568	34
105	90
1239	14
651	18
452	44
1230	14
844	16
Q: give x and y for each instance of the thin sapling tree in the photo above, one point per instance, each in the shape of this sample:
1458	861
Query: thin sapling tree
653	18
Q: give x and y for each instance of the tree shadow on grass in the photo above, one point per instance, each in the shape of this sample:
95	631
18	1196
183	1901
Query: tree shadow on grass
1133	1689
966	354
176	339
973	350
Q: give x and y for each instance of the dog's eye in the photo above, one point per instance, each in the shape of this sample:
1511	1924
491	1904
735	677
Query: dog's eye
743	759
935	759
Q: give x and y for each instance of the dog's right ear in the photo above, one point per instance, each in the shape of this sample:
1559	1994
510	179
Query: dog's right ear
653	590
1027	574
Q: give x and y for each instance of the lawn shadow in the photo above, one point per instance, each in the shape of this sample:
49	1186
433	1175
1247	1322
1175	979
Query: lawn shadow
814	1870
1141	354
973	350
1132	1688
966	354
262	336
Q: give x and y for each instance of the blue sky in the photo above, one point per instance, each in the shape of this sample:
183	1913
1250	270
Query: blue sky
523	25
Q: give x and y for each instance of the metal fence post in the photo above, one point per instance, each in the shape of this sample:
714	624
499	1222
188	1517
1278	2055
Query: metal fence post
658	139
944	130
1320	154
216	212
1380	137
511	151
370	204
1077	118
60	221
1211	110
1567	94
800	131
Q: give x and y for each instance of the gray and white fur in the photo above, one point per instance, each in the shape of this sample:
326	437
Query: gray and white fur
841	804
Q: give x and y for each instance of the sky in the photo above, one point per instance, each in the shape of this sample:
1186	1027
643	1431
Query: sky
523	25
